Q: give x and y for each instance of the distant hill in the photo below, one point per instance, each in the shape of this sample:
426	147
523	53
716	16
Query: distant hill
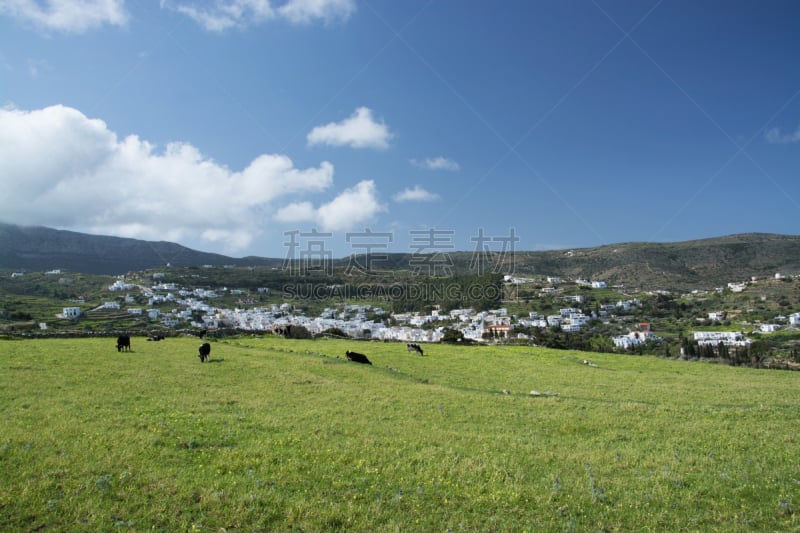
39	248
702	263
705	263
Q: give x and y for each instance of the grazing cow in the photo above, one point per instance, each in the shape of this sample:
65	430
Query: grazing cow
414	347
357	357
155	338
123	343
205	352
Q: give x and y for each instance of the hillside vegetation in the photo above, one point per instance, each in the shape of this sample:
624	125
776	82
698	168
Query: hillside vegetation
274	434
646	265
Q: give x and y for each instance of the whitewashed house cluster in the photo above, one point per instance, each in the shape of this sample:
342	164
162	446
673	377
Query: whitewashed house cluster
572	319
633	339
120	285
534	320
363	321
728	338
737	287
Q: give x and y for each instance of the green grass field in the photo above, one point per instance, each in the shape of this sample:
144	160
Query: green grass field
273	435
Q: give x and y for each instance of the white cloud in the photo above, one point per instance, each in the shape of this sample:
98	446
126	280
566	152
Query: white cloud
348	210
66	16
775	136
63	169
222	15
232	239
306	11
359	130
351	208
436	163
296	212
417	194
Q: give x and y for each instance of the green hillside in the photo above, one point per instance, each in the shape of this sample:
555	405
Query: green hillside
645	265
273	435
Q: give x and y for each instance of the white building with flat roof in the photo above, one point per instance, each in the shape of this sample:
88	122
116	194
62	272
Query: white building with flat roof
71	312
728	338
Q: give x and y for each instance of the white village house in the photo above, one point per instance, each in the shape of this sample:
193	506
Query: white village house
71	312
728	338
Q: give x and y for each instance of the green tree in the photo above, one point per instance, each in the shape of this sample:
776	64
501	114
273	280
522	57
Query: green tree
452	335
335	332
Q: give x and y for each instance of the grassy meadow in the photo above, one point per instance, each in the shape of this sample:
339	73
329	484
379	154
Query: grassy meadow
275	434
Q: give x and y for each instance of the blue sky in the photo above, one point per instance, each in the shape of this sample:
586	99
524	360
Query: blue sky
236	126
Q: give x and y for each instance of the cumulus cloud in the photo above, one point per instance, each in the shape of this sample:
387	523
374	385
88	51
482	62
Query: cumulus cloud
63	169
65	16
296	212
416	194
348	210
775	136
306	11
360	130
351	208
222	15
436	163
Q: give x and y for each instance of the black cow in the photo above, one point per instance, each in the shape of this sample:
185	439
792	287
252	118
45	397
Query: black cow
205	352
123	343
357	357
415	347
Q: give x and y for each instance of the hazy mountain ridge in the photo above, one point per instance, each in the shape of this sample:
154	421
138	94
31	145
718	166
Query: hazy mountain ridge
698	263
41	248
